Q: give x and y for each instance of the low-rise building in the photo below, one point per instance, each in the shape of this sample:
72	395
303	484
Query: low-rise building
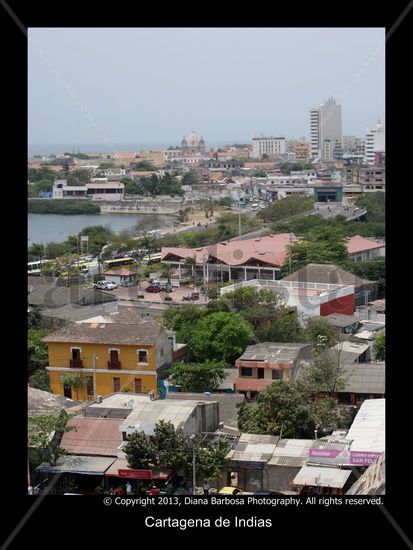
111	191
361	249
310	299
261	364
119	350
364	290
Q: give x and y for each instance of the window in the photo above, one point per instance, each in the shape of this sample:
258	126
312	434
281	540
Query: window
276	375
116	384
76	353
260	373
246	371
143	356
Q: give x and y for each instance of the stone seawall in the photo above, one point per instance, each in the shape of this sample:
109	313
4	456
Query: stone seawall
166	208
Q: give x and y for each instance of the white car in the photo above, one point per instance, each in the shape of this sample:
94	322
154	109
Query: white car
113	284
104	285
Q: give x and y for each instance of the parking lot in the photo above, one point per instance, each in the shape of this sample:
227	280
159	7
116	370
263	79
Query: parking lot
131	294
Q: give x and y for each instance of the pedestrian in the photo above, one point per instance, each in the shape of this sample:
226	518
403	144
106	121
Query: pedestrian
128	488
112	490
206	487
154	490
30	490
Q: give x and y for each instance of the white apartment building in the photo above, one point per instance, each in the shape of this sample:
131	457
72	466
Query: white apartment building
264	145
375	143
325	125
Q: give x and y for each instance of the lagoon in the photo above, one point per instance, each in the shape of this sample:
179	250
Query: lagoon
46	228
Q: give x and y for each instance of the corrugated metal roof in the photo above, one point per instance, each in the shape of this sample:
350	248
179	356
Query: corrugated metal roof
366	378
93	436
367	433
88	465
322	477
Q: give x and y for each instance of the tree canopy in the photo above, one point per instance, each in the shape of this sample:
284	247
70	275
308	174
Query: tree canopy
320	246
221	336
197	377
379	346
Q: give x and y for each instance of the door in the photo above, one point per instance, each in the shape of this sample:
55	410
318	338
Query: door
116	385
114	355
67	391
138	385
76	354
89	387
260	373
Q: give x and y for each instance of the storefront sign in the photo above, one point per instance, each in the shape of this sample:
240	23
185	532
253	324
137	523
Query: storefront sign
348	458
135	474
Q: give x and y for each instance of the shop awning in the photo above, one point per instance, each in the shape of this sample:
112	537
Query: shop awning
74	464
162	474
322	477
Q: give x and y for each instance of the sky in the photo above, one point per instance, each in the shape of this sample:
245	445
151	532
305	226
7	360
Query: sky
152	85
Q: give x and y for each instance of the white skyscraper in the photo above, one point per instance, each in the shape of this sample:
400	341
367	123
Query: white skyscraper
375	143
325	124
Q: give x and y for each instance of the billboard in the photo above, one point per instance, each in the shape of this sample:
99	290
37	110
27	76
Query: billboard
346	458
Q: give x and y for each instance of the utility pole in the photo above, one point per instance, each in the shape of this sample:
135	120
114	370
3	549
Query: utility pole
94	375
239	222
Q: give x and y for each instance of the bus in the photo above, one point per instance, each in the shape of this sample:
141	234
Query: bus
34	268
152	258
108	264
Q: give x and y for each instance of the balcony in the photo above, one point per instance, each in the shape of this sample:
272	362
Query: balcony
115	365
76	363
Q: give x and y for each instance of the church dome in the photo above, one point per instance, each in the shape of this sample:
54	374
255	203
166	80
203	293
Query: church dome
193	139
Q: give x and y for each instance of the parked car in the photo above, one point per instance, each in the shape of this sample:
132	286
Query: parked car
153	288
104	285
115	285
230	491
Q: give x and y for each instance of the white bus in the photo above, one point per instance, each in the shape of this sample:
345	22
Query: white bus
34	268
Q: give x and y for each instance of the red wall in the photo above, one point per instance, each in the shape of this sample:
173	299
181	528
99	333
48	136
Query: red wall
344	305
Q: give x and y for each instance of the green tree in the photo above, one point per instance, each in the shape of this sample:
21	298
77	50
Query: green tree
379	346
78	177
139	450
36	349
265	310
76	381
192	177
42	428
281	407
197	377
320	246
183	320
285	208
221	336
35	252
319	326
106	165
326	374
212	460
40	380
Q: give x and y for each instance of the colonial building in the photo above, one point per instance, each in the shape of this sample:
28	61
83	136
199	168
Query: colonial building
192	144
113	352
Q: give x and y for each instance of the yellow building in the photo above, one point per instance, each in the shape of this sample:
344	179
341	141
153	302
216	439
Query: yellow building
113	353
156	157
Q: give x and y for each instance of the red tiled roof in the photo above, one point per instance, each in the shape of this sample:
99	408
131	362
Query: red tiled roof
252	384
271	250
360	244
94	436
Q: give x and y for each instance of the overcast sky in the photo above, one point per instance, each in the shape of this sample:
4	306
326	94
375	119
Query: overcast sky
157	85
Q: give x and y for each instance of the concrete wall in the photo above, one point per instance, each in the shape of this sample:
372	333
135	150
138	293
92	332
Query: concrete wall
134	206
